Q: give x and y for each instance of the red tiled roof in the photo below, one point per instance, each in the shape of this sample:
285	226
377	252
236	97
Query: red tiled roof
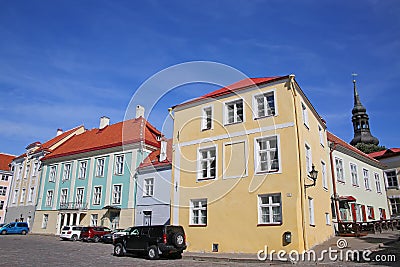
5	159
333	138
385	153
234	87
48	144
153	158
125	132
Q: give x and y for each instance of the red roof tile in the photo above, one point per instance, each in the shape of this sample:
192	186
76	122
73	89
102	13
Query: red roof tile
125	132
234	87
5	159
385	153
333	138
153	158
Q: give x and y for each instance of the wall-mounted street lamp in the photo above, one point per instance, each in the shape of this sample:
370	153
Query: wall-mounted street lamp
313	175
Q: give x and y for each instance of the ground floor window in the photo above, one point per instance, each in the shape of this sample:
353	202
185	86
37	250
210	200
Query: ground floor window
269	209
147	218
93	219
45	221
198	212
395	205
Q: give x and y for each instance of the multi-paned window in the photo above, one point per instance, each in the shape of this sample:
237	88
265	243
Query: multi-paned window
49	198
15	196
265	105
339	170
1	204
269	209
366	179
82	169
206	123
97	195
3	190
148	187
321	136
391	179
207	163
23	194
27	168
198	212
234	111
100	167
31	193
52	175
119	164
19	171
93	219
377	183
79	197
67	171
354	176
35	168
395	205
64	197
117	191
324	177
267	154
370	212
308	159
304	112
4	177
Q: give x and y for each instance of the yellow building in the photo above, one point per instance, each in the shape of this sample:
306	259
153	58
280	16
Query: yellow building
242	160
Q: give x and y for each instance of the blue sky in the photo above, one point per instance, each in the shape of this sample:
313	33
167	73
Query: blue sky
67	63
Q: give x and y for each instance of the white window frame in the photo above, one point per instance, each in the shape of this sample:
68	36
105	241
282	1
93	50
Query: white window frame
35	169
327	218
321	136
395	177
52	173
209	162
324	175
264	95
309	161
119	164
235	109
64	197
257	156
82	169
49	198
204	118
31	194
15	196
19	171
378	182
193	210
100	167
339	171
45	221
117	194
97	190
354	174
94	219
23	194
79	197
270	206
148	187
67	171
311	211
304	112
367	184
27	169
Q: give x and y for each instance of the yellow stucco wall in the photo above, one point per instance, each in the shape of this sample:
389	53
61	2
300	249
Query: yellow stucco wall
232	211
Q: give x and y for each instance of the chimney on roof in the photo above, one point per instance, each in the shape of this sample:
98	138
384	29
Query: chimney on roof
163	150
59	131
139	111
104	121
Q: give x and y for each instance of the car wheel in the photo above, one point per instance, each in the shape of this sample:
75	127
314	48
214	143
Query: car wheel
178	240
96	239
3	232
119	250
74	238
152	253
23	232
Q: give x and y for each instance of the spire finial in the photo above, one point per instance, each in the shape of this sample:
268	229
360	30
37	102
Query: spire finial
354	80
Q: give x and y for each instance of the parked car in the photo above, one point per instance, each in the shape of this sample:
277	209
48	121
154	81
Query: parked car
71	232
15	228
152	241
123	232
108	238
94	233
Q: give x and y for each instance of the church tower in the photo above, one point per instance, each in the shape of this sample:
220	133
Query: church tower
360	121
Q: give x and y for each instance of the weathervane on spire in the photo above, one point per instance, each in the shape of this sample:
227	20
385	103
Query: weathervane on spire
354	77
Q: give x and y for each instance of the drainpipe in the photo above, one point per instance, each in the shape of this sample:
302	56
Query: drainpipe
302	189
335	200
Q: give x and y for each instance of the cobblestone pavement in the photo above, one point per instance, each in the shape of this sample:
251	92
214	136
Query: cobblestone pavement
39	250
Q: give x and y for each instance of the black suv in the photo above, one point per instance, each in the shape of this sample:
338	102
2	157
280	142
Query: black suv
152	241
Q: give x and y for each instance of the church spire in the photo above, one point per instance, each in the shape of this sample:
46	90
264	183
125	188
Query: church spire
360	121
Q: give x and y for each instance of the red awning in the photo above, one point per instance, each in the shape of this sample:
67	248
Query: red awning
347	198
